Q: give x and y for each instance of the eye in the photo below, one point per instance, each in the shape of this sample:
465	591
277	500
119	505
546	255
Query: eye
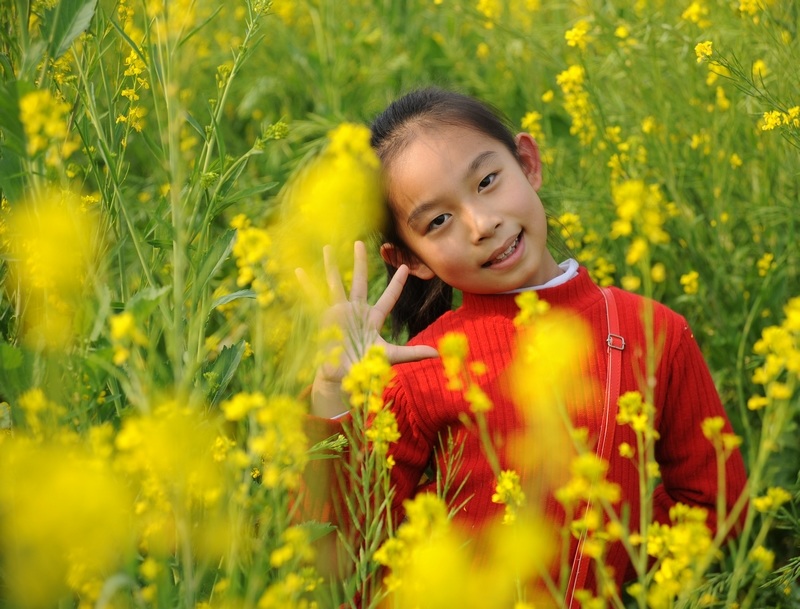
438	221
487	181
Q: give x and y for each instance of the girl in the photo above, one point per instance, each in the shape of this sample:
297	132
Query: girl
465	215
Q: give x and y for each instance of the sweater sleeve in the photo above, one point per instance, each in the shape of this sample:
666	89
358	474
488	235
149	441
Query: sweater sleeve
320	493
687	459
411	452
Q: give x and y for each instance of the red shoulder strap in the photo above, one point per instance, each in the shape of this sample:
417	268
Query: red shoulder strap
615	344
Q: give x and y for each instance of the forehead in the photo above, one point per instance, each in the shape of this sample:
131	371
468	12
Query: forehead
433	157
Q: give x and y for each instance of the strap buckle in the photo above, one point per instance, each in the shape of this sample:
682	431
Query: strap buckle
615	341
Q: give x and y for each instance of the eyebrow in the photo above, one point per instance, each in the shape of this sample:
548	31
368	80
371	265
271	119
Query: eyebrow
479	160
474	166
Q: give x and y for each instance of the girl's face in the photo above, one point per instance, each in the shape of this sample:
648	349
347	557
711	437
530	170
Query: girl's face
469	211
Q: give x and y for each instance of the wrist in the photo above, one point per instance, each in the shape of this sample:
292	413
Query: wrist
327	397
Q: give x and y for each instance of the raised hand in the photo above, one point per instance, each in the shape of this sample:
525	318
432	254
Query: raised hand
360	324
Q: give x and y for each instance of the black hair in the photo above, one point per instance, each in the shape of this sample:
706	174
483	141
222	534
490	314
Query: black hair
424	301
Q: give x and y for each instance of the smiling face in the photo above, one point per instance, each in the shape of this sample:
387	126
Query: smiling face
469	211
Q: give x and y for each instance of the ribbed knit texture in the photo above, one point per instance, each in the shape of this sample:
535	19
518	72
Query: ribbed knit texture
684	395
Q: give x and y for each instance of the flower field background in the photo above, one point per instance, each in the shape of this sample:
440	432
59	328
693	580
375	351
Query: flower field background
166	165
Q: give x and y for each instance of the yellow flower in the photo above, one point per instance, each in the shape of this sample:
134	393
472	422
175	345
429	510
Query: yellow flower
334	199
51	247
703	50
775	497
690	282
658	273
509	492
490	9
242	404
696	13
42	117
278	441
631	283
64	536
637	413
530	308
637	250
296	547
453	349
477	399
771	120
578	36
639	206
765	264
577	103
763	558
531	123
382	431
367	379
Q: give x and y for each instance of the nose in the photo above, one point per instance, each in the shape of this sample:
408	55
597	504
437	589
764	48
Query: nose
482	222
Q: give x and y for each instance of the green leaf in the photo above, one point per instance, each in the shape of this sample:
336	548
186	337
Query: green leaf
10	357
213	259
195	125
15	372
10	124
8	69
144	302
246	193
12	144
223	368
65	22
231	297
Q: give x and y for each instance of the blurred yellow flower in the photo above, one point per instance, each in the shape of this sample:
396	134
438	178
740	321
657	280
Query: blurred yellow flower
765	264
532	123
530	306
53	248
690	282
774	498
697	13
169	456
658	273
334	200
578	36
66	522
367	379
44	120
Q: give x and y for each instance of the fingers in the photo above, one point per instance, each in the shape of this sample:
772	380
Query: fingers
402	354
310	290
358	291
392	292
332	275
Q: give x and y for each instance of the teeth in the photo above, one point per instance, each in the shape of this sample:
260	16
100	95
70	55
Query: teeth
508	252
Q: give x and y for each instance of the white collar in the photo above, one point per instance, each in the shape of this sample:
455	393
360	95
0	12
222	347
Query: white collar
570	268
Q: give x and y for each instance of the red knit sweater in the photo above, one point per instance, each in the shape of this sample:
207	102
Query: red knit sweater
684	395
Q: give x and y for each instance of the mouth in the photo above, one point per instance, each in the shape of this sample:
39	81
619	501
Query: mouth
503	254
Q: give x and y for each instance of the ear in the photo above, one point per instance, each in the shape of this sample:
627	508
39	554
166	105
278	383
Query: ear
528	152
394	257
